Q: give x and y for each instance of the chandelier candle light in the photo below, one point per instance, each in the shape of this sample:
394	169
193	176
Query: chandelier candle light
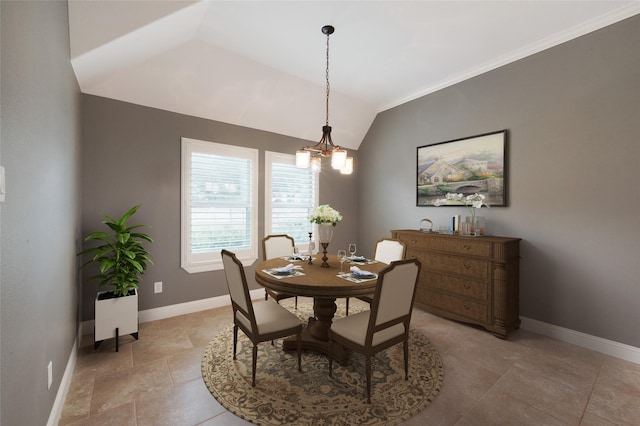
327	218
311	156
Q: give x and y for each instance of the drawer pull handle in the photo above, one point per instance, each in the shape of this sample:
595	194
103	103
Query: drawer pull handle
414	241
467	266
466	306
467	247
466	286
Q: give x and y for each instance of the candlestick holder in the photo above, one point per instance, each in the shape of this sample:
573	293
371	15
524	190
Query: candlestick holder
324	255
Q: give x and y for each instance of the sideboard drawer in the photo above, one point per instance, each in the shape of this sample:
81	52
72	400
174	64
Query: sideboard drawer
461	286
468	246
463	307
472	268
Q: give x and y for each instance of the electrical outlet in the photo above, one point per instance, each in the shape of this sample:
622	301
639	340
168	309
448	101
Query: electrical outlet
49	374
157	287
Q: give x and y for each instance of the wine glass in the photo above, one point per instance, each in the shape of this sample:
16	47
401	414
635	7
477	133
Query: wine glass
295	253
312	247
342	255
352	249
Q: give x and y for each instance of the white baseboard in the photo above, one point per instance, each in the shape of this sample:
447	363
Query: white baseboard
609	347
65	384
180	309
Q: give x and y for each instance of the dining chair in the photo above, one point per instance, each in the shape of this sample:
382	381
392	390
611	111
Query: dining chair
262	321
277	245
386	250
386	323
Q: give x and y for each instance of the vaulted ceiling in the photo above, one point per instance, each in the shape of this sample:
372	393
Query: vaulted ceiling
261	64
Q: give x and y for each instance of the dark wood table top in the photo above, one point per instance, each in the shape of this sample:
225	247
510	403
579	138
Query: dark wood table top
318	281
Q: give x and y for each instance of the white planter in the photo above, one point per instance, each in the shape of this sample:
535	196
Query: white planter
119	313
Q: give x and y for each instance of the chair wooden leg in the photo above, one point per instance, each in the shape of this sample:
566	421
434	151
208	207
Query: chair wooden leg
235	340
347	306
296	302
368	371
266	295
406	359
299	341
330	355
254	361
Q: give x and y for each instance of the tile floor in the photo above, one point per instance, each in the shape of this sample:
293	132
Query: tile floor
528	379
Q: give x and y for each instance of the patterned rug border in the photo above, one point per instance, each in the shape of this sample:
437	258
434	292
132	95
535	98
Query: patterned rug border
279	399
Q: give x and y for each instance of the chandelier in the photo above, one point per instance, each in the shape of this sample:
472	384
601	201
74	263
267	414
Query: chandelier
311	156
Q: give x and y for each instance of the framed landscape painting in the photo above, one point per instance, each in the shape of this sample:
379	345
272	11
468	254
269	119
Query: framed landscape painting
470	165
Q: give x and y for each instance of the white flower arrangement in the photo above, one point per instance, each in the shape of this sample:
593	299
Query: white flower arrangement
472	202
325	214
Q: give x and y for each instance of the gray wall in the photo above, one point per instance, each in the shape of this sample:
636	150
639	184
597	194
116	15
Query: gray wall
39	220
131	155
573	114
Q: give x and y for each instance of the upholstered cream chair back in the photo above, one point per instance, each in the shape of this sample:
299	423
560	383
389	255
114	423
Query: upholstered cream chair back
277	245
388	250
236	283
396	293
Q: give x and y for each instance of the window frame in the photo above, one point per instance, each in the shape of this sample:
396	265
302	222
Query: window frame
270	158
212	261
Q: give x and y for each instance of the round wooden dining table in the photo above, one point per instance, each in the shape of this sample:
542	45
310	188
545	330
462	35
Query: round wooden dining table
324	285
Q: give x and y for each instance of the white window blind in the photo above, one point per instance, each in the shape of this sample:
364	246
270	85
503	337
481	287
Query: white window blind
219	210
291	193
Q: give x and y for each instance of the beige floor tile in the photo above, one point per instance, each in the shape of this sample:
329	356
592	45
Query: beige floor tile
186	366
187	404
612	404
590	419
544	393
159	344
104	360
572	372
78	400
122	387
226	419
123	415
499	409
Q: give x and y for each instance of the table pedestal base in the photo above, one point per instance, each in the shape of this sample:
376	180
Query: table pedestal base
315	336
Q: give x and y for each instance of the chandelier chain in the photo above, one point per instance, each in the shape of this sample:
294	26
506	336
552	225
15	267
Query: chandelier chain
327	77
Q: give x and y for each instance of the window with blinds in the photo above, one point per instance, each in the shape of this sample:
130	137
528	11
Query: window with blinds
291	193
219	203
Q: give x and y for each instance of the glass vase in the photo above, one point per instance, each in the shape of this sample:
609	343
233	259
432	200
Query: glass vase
478	226
325	232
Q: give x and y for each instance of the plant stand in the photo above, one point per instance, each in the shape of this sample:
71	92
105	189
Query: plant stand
115	317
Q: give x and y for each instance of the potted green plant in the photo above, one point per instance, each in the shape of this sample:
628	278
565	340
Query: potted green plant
122	260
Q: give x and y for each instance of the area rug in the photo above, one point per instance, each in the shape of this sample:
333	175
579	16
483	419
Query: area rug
285	396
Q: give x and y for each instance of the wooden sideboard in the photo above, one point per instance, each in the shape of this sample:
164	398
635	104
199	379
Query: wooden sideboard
468	279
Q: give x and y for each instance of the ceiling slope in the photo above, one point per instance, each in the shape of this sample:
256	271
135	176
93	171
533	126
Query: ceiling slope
262	64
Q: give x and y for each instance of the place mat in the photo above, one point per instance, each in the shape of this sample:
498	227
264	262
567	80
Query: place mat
294	273
285	396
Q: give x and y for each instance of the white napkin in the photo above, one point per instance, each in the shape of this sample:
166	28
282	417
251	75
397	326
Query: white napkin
358	258
287	268
360	273
299	257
